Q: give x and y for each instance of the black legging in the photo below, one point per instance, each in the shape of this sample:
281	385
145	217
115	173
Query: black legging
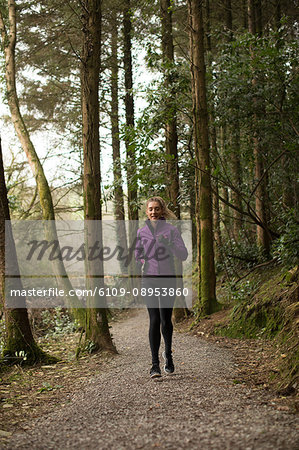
160	312
160	319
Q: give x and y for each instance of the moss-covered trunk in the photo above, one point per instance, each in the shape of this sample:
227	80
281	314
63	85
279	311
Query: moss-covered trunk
97	329
201	143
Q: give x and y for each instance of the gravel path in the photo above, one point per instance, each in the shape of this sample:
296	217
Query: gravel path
198	408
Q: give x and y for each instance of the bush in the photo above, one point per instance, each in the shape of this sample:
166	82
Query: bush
55	321
286	247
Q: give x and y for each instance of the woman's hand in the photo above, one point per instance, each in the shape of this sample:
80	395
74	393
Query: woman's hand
165	241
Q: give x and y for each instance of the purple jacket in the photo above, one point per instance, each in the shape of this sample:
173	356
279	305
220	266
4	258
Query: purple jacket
155	248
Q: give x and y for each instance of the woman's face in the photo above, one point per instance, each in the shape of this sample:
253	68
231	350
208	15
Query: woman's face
154	211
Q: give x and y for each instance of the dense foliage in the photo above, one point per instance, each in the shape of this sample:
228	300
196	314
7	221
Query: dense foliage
252	92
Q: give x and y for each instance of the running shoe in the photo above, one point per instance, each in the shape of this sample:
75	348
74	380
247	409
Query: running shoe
155	371
168	367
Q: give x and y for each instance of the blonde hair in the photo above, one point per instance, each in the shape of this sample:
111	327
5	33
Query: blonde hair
165	211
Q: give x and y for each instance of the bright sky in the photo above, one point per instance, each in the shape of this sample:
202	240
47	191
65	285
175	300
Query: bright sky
49	144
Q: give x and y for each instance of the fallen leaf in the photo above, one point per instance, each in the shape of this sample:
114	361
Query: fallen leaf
5	433
283	408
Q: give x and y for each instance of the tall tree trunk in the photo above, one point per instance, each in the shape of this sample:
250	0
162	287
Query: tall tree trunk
225	210
202	152
263	236
97	329
251	16
278	14
131	166
192	193
258	17
236	171
197	173
228	18
235	139
171	137
129	107
245	14
18	335
119	210
289	187
216	224
215	199
197	220
9	39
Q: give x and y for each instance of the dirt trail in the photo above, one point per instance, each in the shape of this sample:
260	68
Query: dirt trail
199	407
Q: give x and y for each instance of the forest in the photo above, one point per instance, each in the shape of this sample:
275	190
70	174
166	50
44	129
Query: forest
106	103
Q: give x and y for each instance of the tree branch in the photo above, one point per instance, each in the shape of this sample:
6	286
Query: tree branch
255	267
250	211
265	172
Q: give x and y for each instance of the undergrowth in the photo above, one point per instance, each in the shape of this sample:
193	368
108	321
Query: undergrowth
265	305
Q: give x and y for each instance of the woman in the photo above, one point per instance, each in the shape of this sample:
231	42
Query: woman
157	244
